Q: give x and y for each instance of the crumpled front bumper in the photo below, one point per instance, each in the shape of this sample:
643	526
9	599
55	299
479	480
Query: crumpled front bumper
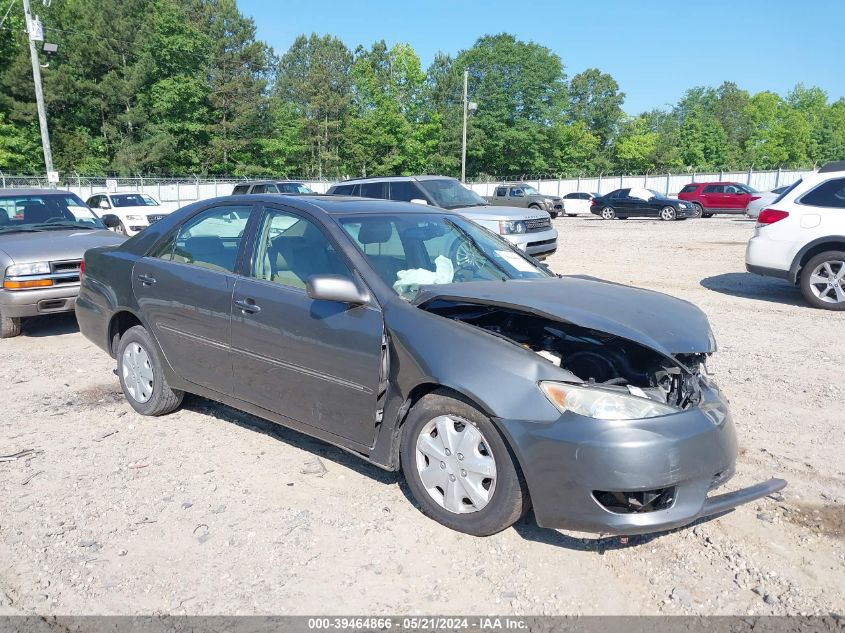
567	462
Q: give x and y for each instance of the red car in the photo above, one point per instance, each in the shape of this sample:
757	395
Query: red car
710	198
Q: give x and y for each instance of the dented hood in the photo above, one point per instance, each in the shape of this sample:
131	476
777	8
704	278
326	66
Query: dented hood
665	324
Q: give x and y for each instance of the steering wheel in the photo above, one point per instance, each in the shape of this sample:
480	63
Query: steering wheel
465	256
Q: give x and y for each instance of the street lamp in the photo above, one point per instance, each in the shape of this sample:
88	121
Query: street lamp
469	106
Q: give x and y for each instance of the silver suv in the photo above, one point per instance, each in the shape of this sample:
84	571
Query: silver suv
530	230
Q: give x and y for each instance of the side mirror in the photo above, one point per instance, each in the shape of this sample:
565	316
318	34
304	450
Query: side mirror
104	204
335	288
419	201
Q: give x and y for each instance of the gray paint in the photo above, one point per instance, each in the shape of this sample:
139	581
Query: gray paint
314	366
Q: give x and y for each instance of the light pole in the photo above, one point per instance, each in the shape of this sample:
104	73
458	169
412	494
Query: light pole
469	106
33	34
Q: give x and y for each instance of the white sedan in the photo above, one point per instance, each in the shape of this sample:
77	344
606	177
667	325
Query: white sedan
761	200
127	213
578	202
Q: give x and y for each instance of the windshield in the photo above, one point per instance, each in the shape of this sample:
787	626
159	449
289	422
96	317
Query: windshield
412	250
656	194
293	187
530	191
745	188
133	200
45	212
450	194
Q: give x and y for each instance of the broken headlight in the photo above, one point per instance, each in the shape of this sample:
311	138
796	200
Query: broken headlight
602	404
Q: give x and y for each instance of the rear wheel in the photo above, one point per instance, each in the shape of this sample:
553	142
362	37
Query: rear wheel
823	281
608	213
141	375
459	468
9	326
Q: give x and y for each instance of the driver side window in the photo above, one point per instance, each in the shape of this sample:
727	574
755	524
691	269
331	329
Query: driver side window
290	249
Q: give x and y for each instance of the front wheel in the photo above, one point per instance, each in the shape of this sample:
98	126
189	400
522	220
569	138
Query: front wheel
823	281
141	375
608	213
459	468
668	213
9	326
707	215
698	210
120	228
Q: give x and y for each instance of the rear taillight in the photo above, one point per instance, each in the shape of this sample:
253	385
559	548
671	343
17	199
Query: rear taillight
770	216
754	198
81	268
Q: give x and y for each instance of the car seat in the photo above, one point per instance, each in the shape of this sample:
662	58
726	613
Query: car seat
35	213
210	251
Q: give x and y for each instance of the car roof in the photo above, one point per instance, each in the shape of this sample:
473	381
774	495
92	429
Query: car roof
268	182
393	179
340	205
34	192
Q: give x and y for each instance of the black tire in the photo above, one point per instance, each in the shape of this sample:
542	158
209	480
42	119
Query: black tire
707	215
509	499
699	210
836	259
607	213
163	399
668	213
10	327
120	228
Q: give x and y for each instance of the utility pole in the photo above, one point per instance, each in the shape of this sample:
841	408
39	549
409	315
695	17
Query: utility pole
39	92
469	106
464	146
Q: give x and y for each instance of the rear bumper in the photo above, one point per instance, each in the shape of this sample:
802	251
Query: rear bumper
572	465
28	303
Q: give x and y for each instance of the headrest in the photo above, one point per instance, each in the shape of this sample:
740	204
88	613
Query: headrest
205	244
374	232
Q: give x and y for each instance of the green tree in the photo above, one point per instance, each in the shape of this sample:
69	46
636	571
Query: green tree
521	90
636	146
595	99
314	76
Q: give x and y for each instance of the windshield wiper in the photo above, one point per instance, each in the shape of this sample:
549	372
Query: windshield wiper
18	229
62	225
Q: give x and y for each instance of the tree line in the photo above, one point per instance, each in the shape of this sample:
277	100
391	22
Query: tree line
185	87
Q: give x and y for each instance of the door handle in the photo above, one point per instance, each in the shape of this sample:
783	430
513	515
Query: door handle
146	279
248	306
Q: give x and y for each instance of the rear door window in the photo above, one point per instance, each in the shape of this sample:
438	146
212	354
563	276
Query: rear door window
713	189
374	190
828	194
501	192
405	191
210	239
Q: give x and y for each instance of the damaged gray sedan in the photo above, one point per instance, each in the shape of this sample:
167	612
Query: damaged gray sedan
419	341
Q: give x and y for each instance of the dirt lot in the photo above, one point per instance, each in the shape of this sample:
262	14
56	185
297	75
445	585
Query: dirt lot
209	511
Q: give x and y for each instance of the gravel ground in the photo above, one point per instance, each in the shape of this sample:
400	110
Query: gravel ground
209	510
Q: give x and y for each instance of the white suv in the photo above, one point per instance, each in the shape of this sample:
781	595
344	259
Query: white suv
800	237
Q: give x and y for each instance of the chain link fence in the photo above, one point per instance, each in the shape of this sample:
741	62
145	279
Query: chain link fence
178	191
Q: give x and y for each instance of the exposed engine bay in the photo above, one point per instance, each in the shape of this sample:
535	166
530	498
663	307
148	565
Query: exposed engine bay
595	357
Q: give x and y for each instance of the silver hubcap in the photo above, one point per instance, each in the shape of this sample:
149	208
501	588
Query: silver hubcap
607	213
137	371
668	213
455	464
828	282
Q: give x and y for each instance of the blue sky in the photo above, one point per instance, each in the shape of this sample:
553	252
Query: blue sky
655	49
